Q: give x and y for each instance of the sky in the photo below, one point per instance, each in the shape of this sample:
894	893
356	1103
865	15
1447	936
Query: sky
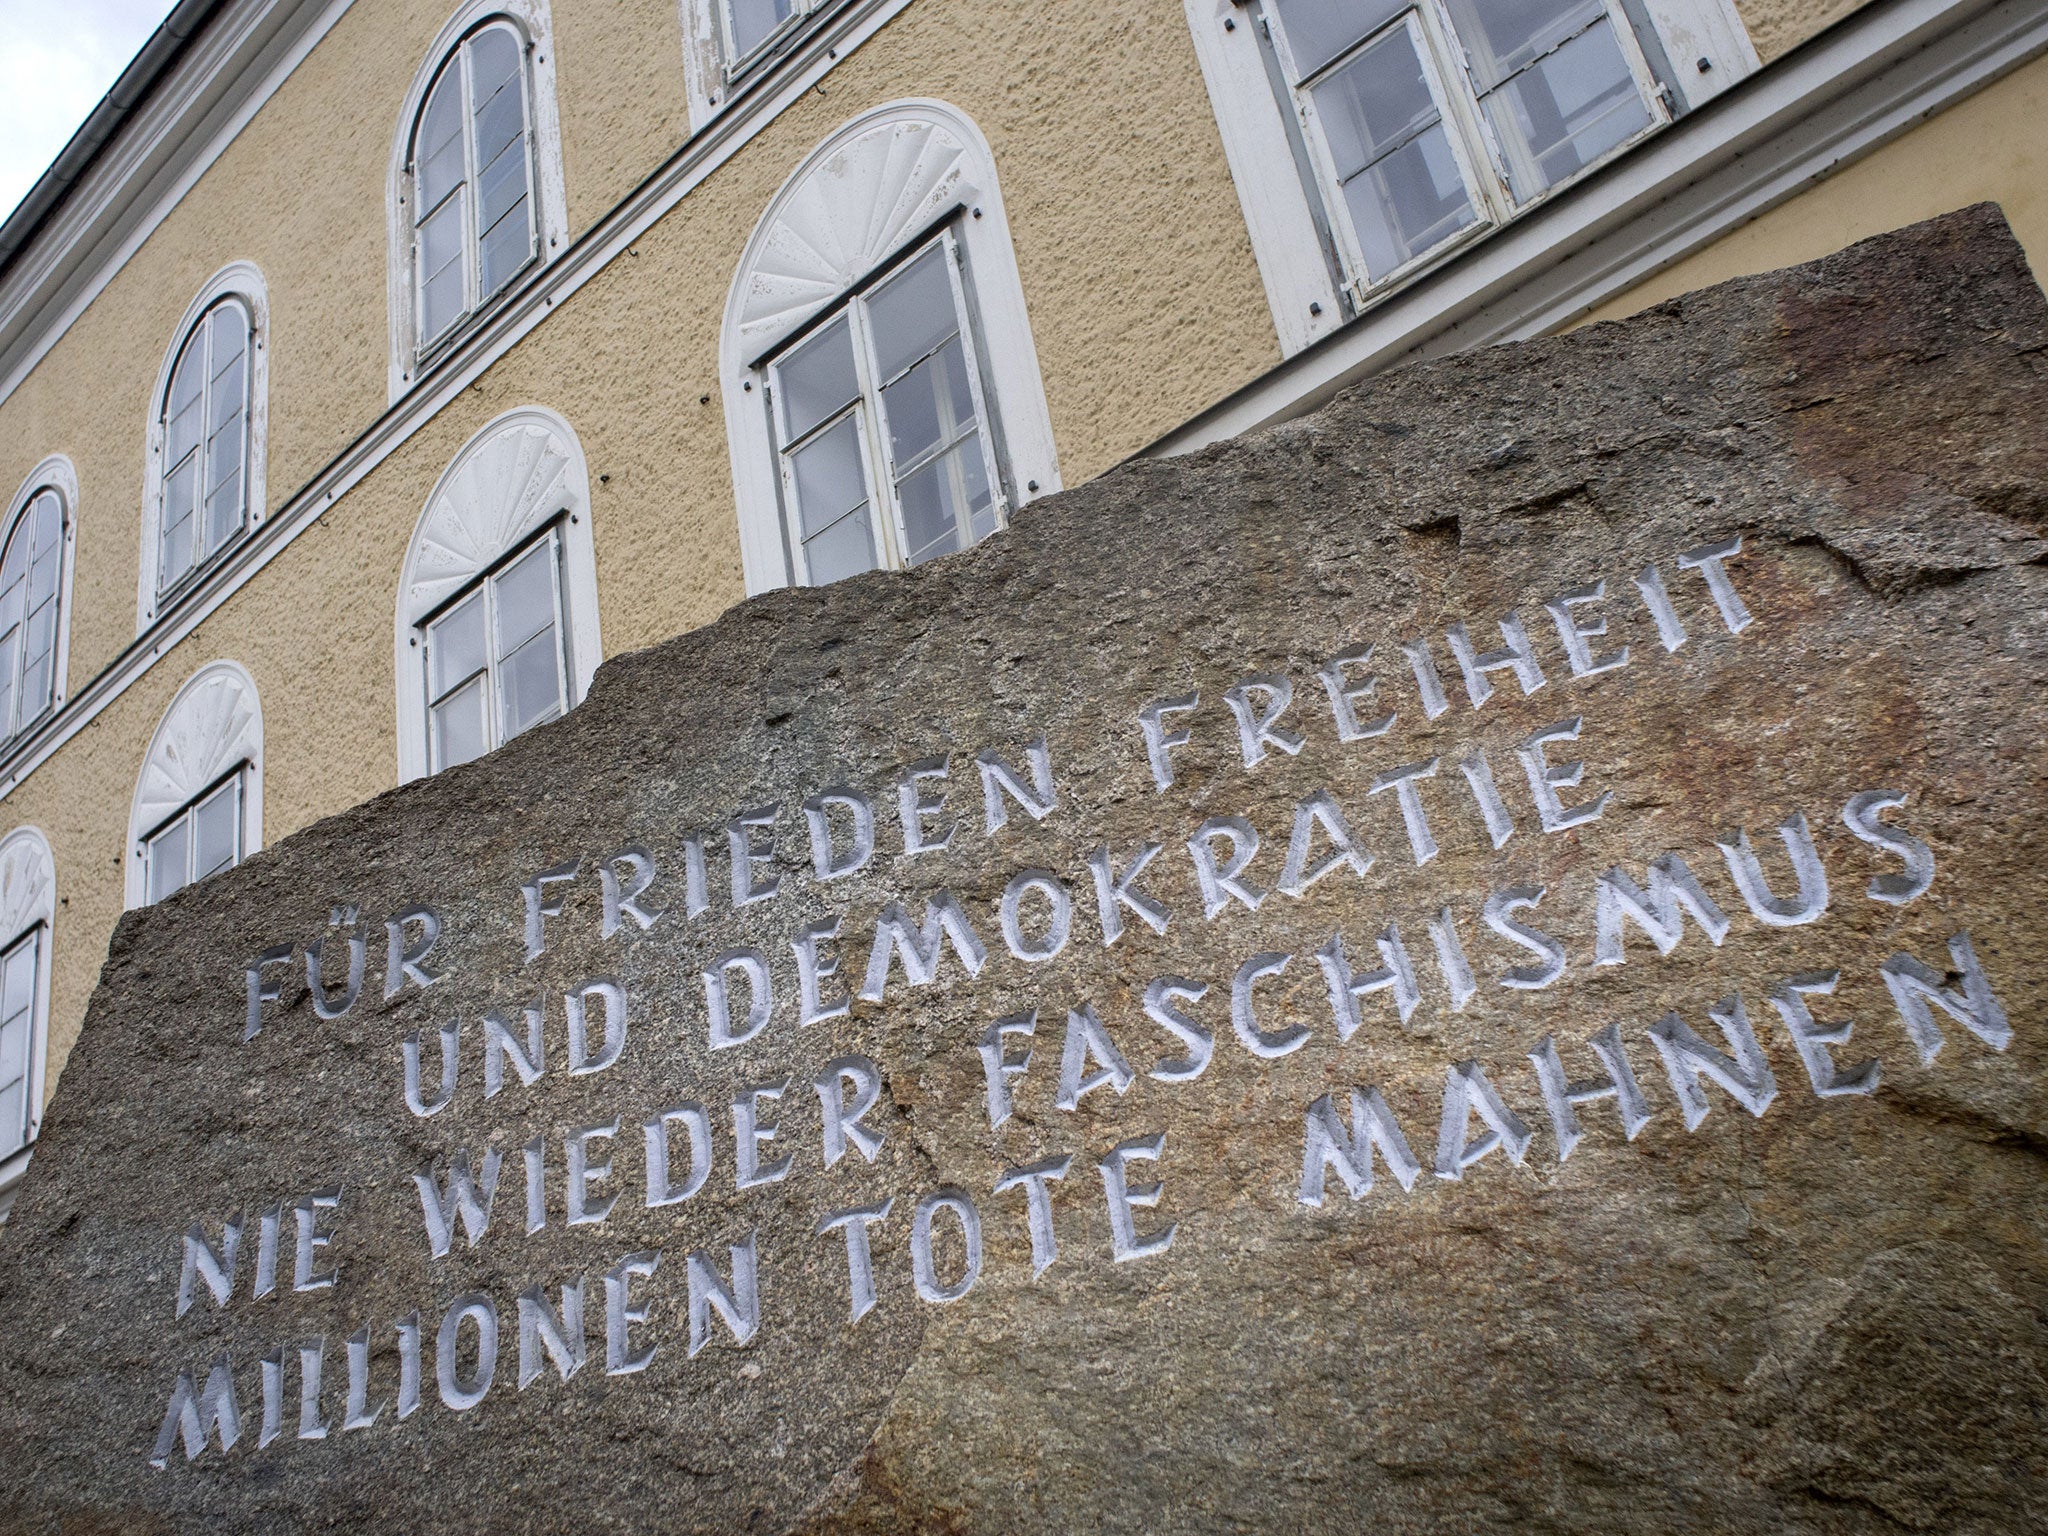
57	59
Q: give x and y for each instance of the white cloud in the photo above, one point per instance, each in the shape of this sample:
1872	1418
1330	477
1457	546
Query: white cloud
57	59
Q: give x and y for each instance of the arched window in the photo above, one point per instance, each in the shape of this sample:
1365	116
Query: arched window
27	906
205	425
199	800
476	177
497	604
883	400
206	436
35	572
472	176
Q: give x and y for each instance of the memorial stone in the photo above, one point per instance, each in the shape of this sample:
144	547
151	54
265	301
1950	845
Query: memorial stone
1473	961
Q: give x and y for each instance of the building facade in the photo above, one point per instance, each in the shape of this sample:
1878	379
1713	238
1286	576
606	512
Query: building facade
370	370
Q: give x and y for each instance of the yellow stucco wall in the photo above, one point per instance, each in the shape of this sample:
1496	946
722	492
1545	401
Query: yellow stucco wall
1987	148
1778	26
1142	295
620	63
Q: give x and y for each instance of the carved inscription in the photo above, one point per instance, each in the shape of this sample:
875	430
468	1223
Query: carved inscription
1533	1099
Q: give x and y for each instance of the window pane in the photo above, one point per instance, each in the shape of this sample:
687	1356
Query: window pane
179	505
946	505
230	326
440	257
530	684
437	153
929	406
13	1117
216	830
506	248
501	183
816	380
35	690
1502	36
1318	30
10	654
828	476
912	313
1373	103
169	854
1566	111
17	991
500	103
14	579
844	549
753	20
13	1051
525	597
47	532
224	509
182	423
455	646
39	634
459	727
1408	202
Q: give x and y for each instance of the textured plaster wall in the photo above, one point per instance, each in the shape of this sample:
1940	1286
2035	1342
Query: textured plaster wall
1143	298
620	80
1987	148
1777	26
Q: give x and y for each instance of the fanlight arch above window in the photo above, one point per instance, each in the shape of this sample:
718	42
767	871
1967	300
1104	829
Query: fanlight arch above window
879	186
214	727
28	882
208	435
518	485
36	544
475	193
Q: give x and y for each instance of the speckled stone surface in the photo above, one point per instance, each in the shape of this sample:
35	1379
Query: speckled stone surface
1807	1312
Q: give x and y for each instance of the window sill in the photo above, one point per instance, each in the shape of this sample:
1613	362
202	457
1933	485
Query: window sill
429	358
773	56
173	595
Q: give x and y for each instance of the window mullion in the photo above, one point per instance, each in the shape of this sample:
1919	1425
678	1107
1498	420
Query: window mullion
561	622
868	427
1448	65
490	671
200	466
1656	95
1317	143
472	237
971	359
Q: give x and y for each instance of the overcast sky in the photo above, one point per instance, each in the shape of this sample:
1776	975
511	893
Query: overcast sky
57	59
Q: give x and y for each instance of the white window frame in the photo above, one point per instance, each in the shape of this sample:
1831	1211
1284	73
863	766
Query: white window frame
212	728
882	474
550	537
242	281
474	299
1462	129
736	63
712	76
466	530
187	816
28	910
532	22
57	475
945	175
1310	287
